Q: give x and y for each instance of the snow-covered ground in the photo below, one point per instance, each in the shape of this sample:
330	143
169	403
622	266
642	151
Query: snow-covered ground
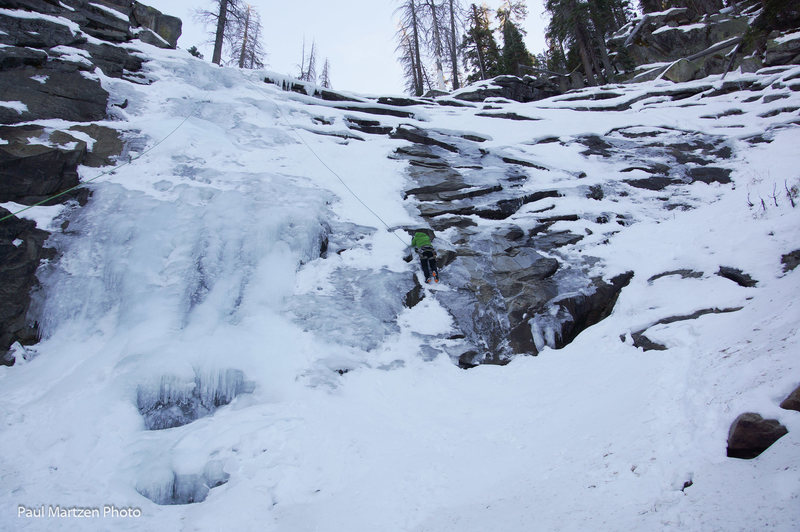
193	278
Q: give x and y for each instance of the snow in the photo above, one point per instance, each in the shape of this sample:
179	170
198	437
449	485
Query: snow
684	28
43	216
15	105
788	37
190	292
18	13
110	11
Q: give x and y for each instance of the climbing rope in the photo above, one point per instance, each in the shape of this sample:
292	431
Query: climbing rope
107	172
331	170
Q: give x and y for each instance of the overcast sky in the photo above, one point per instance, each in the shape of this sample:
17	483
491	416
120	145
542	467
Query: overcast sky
358	36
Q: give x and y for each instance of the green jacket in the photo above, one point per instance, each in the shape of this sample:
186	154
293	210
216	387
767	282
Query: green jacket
420	239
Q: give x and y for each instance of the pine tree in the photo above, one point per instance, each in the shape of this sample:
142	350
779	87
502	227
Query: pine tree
583	27
481	53
515	53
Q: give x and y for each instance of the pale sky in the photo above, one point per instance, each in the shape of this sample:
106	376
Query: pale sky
358	36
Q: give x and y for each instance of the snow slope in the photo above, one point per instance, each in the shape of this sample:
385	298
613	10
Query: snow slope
193	278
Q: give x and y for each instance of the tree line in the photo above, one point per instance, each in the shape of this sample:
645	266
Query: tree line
490	42
238	33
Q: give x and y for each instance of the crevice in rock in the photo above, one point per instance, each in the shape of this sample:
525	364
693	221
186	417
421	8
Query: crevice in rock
639	340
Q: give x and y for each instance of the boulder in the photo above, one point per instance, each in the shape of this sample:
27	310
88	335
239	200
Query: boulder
164	26
791	260
64	94
737	276
107	145
780	51
36	33
792	402
526	89
32	172
681	71
750	435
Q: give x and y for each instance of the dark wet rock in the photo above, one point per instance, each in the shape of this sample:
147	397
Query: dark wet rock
750	435
32	172
790	260
13	57
595	192
708	174
21	249
367	126
654	183
526	89
550	241
640	340
115	62
420	136
520	162
469	359
381	111
428	164
452	103
469	193
400	102
36	33
737	276
443	223
595	146
505	208
792	402
168	28
506	115
646	344
684	274
415	295
67	95
107	145
588	310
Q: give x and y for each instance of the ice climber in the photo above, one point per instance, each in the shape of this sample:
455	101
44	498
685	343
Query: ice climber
427	256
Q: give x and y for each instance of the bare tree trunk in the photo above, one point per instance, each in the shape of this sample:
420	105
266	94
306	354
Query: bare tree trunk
478	44
587	64
453	47
221	20
601	43
243	51
415	27
437	46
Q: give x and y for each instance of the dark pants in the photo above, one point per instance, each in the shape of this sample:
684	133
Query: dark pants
428	265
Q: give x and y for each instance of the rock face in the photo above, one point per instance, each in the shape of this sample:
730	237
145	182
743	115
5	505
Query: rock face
681	44
21	249
751	435
792	402
524	89
47	71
